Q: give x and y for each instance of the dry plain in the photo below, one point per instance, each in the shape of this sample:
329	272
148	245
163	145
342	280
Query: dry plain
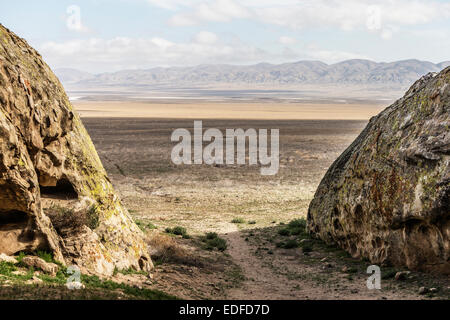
236	202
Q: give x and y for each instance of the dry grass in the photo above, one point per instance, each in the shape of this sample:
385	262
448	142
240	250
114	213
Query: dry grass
165	249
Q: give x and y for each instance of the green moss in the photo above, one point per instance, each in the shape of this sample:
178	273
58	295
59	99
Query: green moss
147	294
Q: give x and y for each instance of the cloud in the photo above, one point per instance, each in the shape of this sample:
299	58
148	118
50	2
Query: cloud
287	40
206	37
346	15
216	11
106	55
138	53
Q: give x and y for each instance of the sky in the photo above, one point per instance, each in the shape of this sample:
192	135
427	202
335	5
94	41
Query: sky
110	35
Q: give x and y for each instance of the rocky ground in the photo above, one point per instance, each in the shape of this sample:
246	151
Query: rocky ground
226	232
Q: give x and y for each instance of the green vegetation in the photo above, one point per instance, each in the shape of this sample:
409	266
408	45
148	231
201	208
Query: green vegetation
178	231
213	241
92	219
284	232
238	221
147	294
291	244
46	256
18	277
144	226
130	271
296	230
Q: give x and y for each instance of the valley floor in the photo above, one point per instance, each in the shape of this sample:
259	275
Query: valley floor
225	232
249	211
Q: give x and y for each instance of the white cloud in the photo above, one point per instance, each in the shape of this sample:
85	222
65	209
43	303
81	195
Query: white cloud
130	53
102	55
216	11
172	4
343	14
287	40
206	37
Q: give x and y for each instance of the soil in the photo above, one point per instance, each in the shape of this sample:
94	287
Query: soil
201	198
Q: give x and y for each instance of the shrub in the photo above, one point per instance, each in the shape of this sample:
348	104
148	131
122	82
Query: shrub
167	250
212	241
211	235
291	244
144	226
298	223
178	231
238	220
284	232
307	248
66	219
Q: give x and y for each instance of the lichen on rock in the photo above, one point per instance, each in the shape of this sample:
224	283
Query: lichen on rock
387	197
47	161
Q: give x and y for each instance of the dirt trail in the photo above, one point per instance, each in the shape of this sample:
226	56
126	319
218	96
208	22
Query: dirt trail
261	283
287	277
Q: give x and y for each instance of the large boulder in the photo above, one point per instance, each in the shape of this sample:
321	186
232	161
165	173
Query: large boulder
387	197
50	168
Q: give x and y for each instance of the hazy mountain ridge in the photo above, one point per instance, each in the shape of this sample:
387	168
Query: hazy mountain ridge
363	72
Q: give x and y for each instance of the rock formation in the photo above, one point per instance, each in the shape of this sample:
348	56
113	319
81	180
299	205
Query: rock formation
50	168
387	197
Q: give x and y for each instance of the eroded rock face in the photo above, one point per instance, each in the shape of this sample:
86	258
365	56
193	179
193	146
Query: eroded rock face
387	197
48	161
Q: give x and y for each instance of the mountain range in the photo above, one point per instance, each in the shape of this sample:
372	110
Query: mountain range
351	72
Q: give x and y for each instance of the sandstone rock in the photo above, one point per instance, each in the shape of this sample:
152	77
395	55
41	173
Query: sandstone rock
5	258
34	280
387	197
47	157
38	263
423	290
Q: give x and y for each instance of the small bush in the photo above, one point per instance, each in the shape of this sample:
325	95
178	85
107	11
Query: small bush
291	244
144	226
238	220
92	219
178	231
252	222
66	220
167	250
211	235
284	232
212	241
280	244
219	243
299	223
296	231
46	256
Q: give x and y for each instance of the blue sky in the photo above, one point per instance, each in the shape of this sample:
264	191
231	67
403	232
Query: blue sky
110	35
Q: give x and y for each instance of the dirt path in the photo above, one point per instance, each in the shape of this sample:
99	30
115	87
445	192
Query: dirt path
261	282
288	275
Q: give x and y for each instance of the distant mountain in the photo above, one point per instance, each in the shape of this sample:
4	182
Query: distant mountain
356	72
67	75
444	64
